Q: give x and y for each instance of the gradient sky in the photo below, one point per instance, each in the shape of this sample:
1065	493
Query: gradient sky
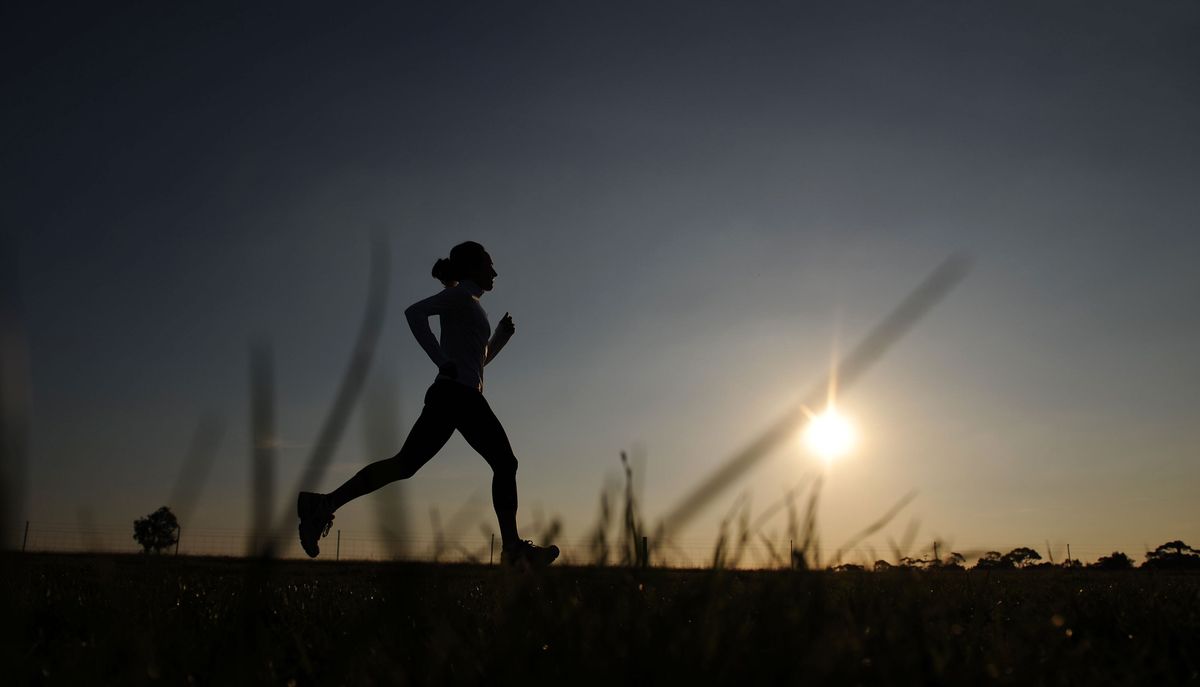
686	203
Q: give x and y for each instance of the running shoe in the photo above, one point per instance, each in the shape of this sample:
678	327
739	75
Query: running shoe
528	554
315	520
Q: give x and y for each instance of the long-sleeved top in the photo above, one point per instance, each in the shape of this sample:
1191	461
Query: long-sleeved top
465	331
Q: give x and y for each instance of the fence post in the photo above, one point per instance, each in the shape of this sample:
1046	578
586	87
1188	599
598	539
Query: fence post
26	539
492	550
178	536
337	556
645	553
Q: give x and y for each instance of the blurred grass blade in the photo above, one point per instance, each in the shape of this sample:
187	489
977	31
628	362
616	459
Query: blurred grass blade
196	466
808	554
262	446
631	530
14	399
935	287
598	543
875	526
470	511
381	427
351	386
910	535
779	505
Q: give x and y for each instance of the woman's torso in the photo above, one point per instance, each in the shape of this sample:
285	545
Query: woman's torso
465	332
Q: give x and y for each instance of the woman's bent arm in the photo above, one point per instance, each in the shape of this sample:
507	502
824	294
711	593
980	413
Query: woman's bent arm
504	331
418	315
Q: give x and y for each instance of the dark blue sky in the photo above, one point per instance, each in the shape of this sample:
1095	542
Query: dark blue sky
685	203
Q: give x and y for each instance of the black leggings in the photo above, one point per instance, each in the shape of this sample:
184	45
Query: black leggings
448	406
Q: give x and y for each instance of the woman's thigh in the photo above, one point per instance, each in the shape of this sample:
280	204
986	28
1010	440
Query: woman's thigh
483	431
428	435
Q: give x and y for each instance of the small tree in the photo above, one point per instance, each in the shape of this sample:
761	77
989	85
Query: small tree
157	531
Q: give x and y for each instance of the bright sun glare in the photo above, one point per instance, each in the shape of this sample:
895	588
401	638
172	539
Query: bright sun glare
829	435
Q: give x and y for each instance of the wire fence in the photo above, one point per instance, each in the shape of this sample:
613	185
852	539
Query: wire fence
338	545
358	545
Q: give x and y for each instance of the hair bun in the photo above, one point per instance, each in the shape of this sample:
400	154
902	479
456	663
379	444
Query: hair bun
442	271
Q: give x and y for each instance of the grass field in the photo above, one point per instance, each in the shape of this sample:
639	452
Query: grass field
146	619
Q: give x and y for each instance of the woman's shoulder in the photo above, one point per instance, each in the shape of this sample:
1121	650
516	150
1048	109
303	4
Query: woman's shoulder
449	298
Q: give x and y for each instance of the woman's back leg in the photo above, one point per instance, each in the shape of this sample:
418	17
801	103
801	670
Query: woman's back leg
428	435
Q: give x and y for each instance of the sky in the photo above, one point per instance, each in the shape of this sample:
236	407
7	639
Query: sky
689	205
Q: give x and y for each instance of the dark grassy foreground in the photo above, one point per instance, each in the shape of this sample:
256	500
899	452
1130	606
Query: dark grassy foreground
135	619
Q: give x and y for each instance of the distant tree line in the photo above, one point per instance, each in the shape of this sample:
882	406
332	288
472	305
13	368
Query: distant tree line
160	530
1173	555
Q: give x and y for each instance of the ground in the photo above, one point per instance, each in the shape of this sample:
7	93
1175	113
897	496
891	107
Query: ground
134	619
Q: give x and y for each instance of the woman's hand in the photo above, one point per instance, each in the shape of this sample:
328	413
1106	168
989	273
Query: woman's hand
505	328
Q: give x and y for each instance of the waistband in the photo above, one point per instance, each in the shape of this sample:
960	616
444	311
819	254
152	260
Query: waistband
447	383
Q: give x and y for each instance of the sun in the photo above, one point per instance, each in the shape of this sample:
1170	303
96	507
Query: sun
829	435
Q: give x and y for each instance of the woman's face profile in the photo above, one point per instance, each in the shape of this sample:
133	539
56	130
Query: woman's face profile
484	273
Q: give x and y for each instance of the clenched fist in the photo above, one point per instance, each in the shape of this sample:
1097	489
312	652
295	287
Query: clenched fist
505	328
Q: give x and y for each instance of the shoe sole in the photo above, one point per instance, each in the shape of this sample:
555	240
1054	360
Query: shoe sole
525	563
301	500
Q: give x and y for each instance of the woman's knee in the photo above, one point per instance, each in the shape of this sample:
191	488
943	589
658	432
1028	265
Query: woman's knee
504	464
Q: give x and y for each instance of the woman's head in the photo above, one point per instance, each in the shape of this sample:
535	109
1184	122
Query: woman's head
468	260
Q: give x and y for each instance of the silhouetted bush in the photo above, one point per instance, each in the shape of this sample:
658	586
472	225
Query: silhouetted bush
955	561
1022	556
993	560
917	563
1114	561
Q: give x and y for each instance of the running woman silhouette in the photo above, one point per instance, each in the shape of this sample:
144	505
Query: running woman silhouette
454	401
